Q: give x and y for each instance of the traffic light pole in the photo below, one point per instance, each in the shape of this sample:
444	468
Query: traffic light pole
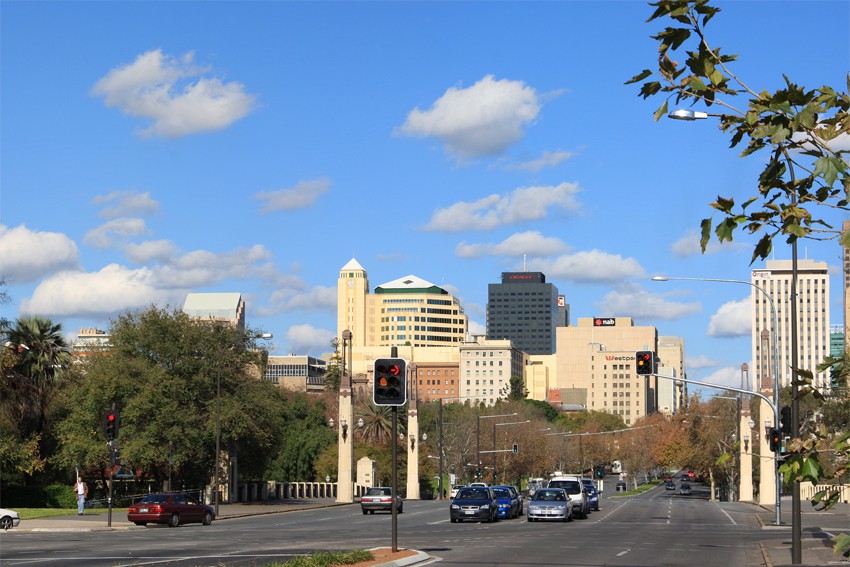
394	505
778	518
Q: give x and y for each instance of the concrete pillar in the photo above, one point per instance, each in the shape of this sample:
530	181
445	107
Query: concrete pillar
412	443
767	467
745	457
345	442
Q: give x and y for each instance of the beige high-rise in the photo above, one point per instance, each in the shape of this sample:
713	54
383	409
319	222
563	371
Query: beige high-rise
812	318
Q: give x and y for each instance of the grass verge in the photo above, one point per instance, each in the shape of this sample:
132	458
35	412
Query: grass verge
327	559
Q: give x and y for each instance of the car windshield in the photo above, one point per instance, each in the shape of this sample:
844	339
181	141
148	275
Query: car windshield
571	486
549	496
473	494
379	492
501	493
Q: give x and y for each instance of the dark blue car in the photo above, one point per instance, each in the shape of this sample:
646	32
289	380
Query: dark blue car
474	503
509	505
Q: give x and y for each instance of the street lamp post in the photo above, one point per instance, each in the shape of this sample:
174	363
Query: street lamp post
264	336
776	456
478	433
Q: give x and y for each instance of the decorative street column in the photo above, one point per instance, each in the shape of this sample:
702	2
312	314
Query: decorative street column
745	488
345	431
412	440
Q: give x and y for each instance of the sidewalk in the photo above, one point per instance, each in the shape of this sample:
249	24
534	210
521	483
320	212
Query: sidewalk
817	530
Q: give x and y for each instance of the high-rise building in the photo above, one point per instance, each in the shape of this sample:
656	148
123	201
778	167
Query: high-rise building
296	372
486	368
812	320
406	311
525	310
596	367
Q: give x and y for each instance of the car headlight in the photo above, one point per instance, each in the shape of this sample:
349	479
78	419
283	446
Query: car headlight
485	506
533	508
455	507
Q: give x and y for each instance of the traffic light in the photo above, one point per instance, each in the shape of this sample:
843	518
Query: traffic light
478	473
389	387
785	420
645	362
599	471
516	447
775	440
110	424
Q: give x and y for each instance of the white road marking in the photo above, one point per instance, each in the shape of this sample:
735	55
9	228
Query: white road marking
622	553
727	515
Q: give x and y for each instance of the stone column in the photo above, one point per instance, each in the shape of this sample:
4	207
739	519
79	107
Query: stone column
767	468
345	440
745	457
412	440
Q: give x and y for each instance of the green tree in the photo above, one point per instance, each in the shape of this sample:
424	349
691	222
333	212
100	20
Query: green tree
333	372
515	389
35	362
163	371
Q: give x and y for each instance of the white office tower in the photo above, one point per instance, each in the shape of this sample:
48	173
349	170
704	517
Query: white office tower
812	320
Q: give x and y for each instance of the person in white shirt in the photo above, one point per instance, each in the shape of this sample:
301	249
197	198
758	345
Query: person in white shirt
82	492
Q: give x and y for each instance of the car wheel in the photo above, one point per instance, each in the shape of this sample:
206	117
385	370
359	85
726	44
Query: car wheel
141	523
174	521
365	512
530	519
208	517
6	523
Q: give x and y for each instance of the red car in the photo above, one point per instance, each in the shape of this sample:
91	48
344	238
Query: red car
171	509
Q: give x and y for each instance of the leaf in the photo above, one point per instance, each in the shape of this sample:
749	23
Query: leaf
639	77
662	111
722	458
705	233
830	167
842	545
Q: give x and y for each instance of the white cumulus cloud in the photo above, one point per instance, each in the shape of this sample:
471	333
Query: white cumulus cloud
304	194
174	95
159	250
630	300
292	298
689	245
114	230
109	291
28	255
531	243
481	120
546	159
521	205
591	266
308	339
125	204
733	319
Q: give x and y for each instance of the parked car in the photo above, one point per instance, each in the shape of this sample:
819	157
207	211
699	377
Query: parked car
575	490
9	519
455	488
380	498
474	503
685	489
670	485
508	502
484	484
171	509
550	504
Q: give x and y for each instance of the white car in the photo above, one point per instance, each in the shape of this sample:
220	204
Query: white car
455	488
8	519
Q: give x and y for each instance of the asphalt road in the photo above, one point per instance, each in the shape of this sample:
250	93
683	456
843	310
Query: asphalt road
659	528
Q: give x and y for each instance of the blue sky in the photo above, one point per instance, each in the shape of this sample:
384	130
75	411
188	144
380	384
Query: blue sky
151	149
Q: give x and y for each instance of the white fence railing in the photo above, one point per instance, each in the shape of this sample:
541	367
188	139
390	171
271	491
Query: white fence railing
807	490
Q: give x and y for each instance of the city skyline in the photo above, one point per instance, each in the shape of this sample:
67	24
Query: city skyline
151	151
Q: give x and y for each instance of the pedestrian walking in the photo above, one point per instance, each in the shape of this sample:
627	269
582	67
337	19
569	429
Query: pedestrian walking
82	492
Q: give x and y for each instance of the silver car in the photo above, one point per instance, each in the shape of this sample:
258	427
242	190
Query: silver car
380	498
550	504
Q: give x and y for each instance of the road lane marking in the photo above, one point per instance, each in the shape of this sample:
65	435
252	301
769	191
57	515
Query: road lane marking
727	515
622	553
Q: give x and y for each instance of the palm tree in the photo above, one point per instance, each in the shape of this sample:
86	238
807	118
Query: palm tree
377	423
40	356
